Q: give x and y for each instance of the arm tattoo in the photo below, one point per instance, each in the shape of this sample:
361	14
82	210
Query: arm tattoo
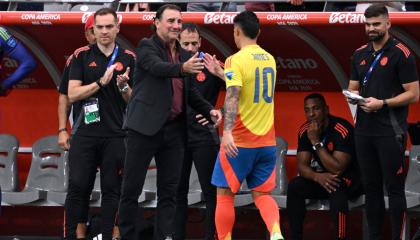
231	106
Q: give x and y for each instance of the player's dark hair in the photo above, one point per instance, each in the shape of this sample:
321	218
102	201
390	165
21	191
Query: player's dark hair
160	11
106	11
190	27
316	96
376	10
249	23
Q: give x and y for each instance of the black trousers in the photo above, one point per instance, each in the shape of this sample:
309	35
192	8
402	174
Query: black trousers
381	160
167	146
86	154
204	158
300	189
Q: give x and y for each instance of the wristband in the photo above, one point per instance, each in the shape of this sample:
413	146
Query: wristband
62	130
384	103
99	83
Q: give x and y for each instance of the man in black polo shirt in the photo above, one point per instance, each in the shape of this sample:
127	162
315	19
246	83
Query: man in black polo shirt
202	145
384	73
63	100
63	113
98	80
327	167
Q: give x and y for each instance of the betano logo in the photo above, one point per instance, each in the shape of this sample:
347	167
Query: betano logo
219	18
338	17
296	63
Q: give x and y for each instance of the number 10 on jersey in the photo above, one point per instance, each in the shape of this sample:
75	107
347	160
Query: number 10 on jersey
268	75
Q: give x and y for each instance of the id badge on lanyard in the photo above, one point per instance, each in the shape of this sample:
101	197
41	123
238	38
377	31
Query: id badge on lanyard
91	111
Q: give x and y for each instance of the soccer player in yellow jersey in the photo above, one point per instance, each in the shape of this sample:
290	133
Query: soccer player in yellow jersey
248	146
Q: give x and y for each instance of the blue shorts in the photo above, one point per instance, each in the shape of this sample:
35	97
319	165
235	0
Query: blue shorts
257	165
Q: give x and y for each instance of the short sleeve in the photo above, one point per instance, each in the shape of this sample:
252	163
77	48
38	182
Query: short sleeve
407	70
233	73
76	68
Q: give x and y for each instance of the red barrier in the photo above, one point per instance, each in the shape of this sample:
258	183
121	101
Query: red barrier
313	56
266	18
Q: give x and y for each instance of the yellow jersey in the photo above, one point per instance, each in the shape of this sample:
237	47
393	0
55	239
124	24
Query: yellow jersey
254	70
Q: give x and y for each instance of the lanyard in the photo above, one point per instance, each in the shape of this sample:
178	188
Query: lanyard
114	55
369	72
324	140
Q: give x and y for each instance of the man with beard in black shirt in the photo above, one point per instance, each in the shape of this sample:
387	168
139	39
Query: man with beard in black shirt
384	73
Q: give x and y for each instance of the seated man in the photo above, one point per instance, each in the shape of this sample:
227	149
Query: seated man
327	166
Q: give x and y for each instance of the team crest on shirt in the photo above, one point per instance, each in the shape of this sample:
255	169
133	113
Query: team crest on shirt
201	77
119	66
384	61
363	62
330	146
229	75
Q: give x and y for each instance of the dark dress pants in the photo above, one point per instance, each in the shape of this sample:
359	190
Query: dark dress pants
381	160
167	146
204	158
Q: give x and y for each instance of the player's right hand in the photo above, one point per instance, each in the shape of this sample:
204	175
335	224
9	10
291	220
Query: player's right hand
328	181
106	78
229	145
193	65
64	140
213	65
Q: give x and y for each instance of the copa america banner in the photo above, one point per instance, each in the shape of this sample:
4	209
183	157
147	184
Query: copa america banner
312	50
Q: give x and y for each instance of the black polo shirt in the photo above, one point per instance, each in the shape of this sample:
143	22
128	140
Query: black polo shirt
88	65
64	84
337	137
396	66
209	86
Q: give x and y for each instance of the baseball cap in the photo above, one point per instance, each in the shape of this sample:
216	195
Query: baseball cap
89	22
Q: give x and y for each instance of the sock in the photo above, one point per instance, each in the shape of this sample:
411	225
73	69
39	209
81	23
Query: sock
225	216
270	214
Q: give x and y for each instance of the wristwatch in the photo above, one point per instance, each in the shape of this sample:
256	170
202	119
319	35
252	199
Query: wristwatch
99	83
317	146
384	103
62	130
124	88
